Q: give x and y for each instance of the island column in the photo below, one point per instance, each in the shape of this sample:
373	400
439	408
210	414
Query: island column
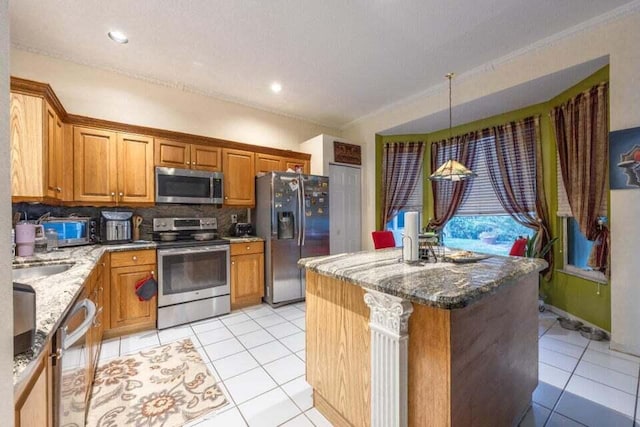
389	324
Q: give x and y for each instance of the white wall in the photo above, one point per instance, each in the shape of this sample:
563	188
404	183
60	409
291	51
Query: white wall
321	150
617	37
6	292
107	95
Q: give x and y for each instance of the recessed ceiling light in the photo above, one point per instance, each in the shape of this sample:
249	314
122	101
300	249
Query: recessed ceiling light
276	87
118	37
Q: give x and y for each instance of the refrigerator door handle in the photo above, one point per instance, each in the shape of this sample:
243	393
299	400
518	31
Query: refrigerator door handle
303	223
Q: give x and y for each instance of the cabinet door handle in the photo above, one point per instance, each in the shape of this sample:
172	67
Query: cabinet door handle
113	194
59	190
226	198
233	263
248	247
135	258
194	163
188	163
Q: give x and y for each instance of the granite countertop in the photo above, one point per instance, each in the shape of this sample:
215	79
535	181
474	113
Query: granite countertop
244	239
444	284
55	293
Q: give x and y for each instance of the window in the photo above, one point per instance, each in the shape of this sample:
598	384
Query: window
576	251
576	247
491	234
396	225
481	224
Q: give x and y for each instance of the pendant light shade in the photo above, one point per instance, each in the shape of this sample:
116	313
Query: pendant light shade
451	170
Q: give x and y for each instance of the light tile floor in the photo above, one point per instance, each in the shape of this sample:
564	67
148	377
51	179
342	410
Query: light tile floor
582	382
257	354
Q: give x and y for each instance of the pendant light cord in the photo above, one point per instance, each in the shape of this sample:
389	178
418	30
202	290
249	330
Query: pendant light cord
450	76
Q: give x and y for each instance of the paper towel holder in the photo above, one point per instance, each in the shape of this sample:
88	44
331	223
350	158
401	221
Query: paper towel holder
409	261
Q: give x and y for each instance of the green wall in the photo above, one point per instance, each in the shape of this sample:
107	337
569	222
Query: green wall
580	297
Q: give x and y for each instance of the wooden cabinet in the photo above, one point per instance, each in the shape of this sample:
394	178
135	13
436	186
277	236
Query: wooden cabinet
290	163
34	403
269	163
135	169
54	129
36	150
175	154
112	167
128	314
239	178
247	274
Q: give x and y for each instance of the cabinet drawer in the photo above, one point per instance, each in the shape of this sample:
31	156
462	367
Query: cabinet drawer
122	259
246	248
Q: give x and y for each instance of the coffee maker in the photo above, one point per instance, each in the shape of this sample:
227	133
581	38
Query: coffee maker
115	227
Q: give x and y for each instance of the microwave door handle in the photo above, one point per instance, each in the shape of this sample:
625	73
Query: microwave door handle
72	338
211	194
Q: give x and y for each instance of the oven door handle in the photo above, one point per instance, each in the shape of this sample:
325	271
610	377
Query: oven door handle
180	251
72	338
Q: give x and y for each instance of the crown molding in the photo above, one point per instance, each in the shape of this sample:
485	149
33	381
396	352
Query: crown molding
169	84
590	24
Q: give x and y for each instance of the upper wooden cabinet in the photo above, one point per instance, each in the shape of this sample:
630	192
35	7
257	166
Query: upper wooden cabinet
135	168
175	154
239	179
269	163
112	167
37	138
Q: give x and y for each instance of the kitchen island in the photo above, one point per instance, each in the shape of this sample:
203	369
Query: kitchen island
441	344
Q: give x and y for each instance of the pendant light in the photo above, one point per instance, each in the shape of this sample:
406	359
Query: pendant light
451	170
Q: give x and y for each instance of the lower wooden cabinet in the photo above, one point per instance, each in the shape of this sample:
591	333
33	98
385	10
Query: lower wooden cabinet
128	314
34	403
247	274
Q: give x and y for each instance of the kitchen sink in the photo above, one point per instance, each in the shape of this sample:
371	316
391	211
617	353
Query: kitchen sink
30	273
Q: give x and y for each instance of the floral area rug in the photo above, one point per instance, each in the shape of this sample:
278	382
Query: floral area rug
163	386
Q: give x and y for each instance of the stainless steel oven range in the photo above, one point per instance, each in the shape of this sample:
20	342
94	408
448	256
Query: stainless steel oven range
193	270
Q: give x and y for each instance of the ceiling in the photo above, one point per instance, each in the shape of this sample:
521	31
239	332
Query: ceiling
337	60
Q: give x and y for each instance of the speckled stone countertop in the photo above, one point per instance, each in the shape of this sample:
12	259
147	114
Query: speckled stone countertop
55	293
444	285
246	239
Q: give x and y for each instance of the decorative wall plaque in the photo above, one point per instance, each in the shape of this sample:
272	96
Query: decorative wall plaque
346	153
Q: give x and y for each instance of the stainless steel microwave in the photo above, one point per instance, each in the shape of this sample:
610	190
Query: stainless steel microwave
188	186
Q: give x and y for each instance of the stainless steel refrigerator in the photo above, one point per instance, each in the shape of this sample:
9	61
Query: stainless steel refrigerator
292	215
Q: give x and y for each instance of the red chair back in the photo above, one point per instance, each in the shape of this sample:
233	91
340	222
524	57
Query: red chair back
383	239
519	247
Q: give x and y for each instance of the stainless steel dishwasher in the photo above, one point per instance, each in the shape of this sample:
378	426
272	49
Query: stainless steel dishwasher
71	365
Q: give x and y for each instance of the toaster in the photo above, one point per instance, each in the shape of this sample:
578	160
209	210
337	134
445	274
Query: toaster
24	317
240	229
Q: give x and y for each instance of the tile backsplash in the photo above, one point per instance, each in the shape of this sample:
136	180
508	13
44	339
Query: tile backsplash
223	214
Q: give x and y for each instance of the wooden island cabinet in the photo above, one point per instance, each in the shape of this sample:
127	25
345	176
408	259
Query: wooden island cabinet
389	344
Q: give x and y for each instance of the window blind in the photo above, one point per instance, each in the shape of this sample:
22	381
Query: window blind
481	199
564	209
405	161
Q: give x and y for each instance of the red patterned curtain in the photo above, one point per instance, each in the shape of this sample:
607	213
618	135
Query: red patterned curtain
401	172
582	132
448	195
514	162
